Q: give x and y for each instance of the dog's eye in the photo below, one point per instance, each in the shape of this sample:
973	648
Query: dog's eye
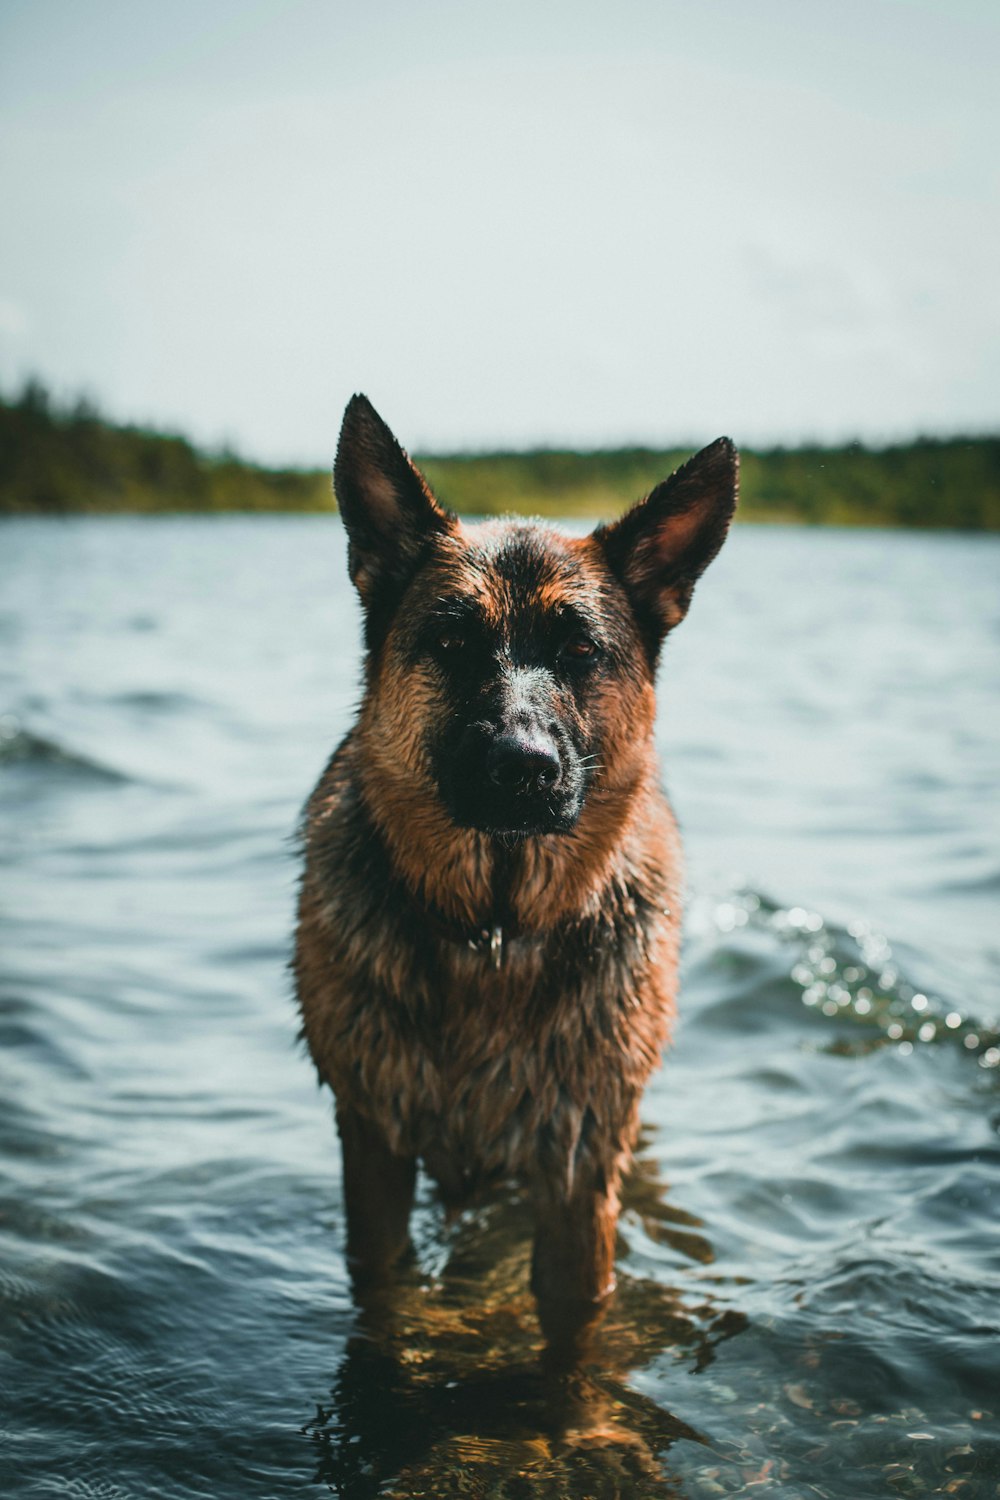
450	640
580	647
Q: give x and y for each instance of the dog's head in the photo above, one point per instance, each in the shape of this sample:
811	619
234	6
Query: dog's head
510	668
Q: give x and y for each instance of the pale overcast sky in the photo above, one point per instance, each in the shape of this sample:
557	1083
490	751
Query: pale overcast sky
565	222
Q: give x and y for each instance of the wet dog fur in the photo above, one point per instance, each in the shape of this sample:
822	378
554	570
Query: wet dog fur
489	915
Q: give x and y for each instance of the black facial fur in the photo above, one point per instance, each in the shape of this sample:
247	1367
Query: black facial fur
515	749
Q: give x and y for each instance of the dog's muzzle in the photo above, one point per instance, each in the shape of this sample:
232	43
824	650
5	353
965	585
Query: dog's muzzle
513	780
513	767
524	764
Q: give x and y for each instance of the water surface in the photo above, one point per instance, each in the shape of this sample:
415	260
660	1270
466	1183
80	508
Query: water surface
809	1262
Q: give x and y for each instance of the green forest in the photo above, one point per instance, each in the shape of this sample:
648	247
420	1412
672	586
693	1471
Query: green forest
69	459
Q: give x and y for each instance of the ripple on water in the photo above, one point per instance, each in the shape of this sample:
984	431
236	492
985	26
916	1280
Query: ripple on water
23	751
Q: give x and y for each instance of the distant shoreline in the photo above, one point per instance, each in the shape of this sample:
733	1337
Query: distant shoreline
72	461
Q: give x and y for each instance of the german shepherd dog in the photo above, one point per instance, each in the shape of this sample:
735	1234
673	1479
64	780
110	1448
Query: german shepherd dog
490	910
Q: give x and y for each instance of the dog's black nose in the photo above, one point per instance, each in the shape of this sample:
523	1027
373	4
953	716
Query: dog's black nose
519	764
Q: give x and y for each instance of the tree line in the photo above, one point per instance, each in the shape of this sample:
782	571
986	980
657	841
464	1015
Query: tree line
69	459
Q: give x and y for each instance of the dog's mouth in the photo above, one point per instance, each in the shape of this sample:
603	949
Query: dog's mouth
511	831
512	817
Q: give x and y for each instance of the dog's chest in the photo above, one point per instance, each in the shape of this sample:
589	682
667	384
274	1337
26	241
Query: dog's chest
501	1071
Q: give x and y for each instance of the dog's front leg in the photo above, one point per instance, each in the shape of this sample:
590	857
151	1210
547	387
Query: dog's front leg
378	1195
573	1259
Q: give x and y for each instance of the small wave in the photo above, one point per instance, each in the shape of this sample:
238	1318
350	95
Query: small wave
850	972
20	747
155	701
986	884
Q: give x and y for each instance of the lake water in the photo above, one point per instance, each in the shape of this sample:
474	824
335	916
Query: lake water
809	1267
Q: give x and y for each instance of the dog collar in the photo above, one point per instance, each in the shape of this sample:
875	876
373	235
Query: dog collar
486	940
495	935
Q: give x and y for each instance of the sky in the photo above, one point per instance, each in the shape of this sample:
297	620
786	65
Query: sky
559	222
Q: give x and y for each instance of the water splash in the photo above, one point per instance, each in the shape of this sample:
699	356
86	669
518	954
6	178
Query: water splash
851	972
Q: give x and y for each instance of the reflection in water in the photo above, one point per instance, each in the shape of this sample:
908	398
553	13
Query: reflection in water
445	1388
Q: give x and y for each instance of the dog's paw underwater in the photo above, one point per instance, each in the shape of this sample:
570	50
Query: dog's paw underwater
488	926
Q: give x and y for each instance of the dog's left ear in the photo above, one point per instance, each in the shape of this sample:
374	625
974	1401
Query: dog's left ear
660	548
386	504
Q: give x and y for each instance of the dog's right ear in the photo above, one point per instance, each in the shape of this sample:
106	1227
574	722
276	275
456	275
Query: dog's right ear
386	504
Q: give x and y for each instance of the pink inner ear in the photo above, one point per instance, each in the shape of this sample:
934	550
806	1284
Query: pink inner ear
676	533
383	501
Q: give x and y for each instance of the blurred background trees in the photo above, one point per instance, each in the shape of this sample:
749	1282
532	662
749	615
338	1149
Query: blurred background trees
64	459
